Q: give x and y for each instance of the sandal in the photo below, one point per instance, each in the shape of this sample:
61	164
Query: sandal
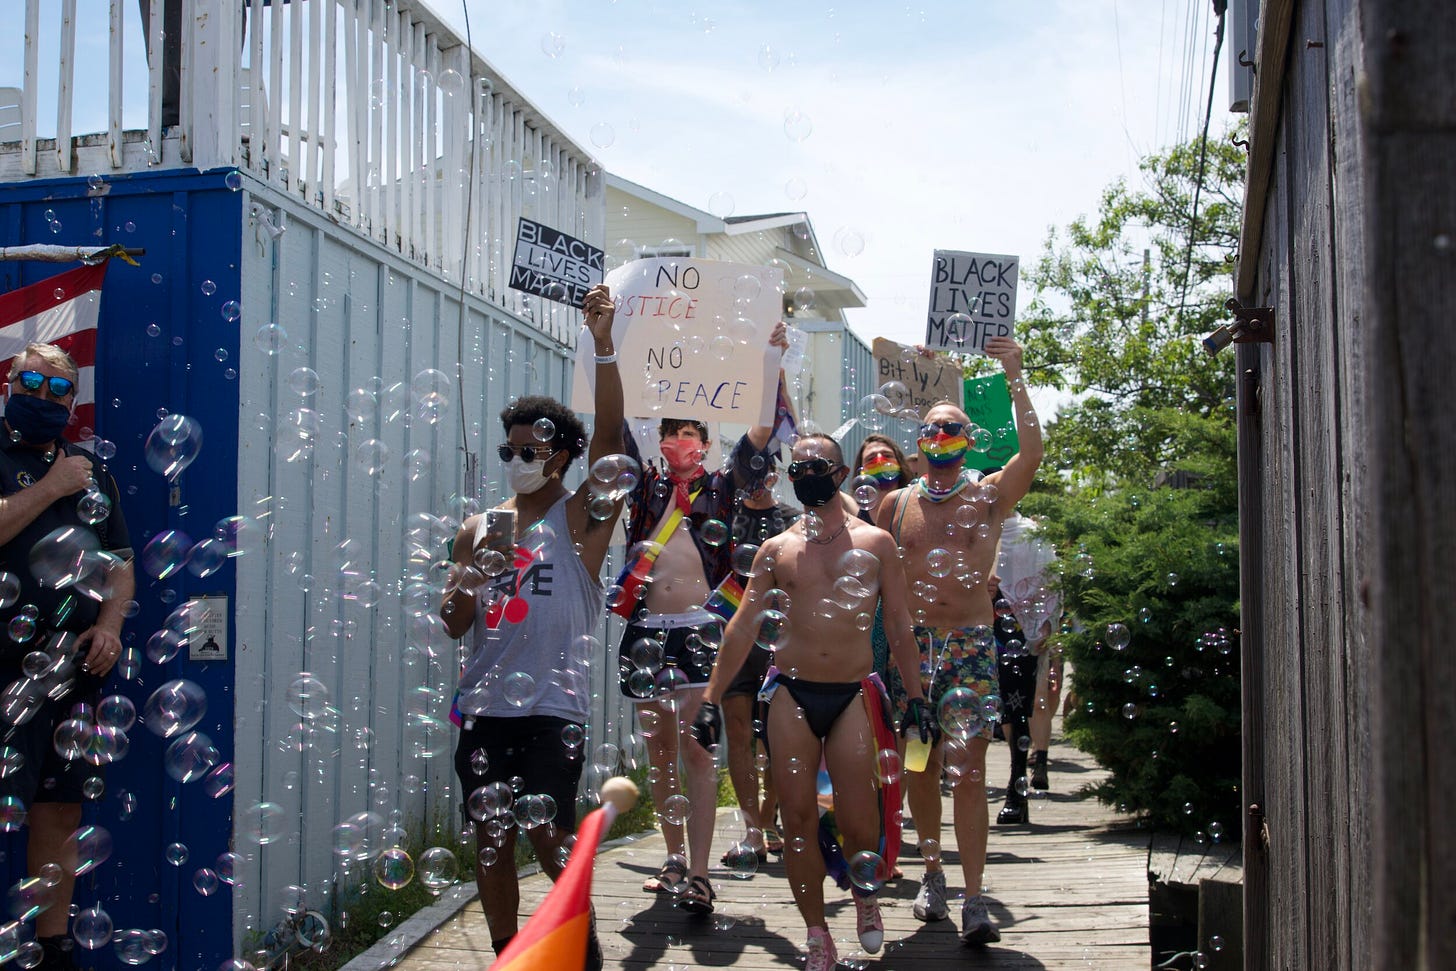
773	842
670	879
726	858
698	897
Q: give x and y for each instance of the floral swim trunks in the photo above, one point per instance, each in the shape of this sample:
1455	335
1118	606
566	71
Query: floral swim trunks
952	658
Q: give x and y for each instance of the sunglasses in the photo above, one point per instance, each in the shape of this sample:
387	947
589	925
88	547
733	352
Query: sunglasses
528	453
797	470
34	381
930	429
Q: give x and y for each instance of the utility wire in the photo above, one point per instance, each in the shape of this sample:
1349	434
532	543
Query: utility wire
470	488
1219	6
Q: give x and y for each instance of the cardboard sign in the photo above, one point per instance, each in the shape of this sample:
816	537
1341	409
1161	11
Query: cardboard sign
928	379
553	265
988	404
972	297
692	341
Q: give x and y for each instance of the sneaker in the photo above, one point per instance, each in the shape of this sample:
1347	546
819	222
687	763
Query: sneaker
822	955
930	901
867	923
976	926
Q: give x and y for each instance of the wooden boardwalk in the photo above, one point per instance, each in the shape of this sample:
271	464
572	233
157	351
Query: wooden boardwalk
1068	891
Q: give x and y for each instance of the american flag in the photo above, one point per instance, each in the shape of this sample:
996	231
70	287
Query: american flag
60	310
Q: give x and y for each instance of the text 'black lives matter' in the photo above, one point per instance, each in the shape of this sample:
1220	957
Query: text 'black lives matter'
551	264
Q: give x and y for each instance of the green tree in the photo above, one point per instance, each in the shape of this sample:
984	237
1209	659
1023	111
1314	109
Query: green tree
1139	487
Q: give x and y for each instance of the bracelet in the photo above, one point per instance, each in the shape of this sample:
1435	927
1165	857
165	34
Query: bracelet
607	358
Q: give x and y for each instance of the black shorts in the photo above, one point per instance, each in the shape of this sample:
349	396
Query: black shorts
750	677
683	658
531	747
1017	676
41	775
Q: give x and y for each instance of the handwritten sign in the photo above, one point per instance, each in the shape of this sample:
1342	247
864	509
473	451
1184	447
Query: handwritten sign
692	341
928	379
972	298
988	404
553	265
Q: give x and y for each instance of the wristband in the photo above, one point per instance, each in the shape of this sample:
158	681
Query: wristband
607	358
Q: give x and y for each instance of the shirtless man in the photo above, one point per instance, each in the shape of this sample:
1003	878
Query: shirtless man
822	663
667	649
947	510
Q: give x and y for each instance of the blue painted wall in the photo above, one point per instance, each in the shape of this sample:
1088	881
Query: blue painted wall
191	226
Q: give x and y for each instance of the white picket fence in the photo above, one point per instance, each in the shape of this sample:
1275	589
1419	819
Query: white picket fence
375	113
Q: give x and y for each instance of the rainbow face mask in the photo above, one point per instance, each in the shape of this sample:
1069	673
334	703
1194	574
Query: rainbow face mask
883	470
944	443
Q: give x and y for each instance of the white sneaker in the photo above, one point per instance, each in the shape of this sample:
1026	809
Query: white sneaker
976	926
868	924
930	901
822	955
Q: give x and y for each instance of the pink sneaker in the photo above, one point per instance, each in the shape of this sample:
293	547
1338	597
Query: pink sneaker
867	923
822	956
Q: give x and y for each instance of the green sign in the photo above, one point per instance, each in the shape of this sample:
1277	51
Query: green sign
988	403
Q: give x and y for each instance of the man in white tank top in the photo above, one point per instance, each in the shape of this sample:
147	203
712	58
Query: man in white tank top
526	587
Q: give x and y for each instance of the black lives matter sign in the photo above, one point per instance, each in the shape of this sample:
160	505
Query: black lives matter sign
553	265
972	298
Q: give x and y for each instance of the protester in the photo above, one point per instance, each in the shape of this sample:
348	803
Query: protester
948	525
47	484
531	597
1016	680
1025	567
677	534
759	517
881	460
824	701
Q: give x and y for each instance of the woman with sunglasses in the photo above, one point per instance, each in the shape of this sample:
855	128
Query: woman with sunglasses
44	484
879	458
526	587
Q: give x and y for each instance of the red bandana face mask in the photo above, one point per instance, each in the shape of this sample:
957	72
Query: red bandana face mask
684	458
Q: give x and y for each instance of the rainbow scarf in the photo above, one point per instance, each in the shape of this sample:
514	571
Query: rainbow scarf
927	491
883	470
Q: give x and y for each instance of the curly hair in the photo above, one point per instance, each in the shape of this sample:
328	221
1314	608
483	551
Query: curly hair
570	434
669	426
877	439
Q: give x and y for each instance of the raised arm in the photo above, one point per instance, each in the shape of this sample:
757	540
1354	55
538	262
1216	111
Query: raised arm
759	435
1013	482
599	312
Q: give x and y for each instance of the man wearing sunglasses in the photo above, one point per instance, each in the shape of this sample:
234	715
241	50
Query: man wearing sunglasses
42	477
948	524
679	637
530	595
831	706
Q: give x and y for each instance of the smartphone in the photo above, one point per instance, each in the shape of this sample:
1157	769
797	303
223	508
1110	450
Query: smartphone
500	530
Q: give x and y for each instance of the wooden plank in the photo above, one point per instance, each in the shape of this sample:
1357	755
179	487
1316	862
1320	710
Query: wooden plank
67	81
115	51
307	168
328	139
260	153
296	166
1264	112
30	87
275	92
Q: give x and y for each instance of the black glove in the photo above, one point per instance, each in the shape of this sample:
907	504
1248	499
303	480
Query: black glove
708	725
917	715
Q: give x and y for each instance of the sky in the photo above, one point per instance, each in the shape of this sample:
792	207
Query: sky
900	128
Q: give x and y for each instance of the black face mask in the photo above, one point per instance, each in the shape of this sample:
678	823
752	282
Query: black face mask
815	490
38	420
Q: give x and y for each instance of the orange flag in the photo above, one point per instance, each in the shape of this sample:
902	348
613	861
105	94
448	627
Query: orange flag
555	936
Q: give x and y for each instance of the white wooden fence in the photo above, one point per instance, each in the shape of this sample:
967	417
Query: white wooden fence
375	113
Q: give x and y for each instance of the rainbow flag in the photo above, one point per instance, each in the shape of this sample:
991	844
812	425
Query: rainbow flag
556	934
725	599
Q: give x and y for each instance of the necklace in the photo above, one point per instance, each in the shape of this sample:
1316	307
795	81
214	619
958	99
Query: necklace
941	495
831	537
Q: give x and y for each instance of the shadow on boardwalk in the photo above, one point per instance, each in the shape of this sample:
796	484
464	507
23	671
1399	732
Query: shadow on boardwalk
1068	891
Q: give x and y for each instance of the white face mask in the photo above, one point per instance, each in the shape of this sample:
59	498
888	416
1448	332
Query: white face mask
526	477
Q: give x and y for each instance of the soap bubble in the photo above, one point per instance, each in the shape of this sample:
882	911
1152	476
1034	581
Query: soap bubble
519	689
393	868
646	654
1118	636
773	626
430	392
58	559
231	311
959	712
270	338
939	562
742	560
714	532
22	629
741	861
173	445
208	288
116	711
9	589
175	853
233	180
92	928
190	757
603	135
866	489
12	813
887	766
867	871
205	881
804	300
860	563
544	430
166	553
308	697
88	847
438	869
675	809
797	125
262	823
174	708
93	506
304	381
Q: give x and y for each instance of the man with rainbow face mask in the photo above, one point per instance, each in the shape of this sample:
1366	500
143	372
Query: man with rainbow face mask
947	523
